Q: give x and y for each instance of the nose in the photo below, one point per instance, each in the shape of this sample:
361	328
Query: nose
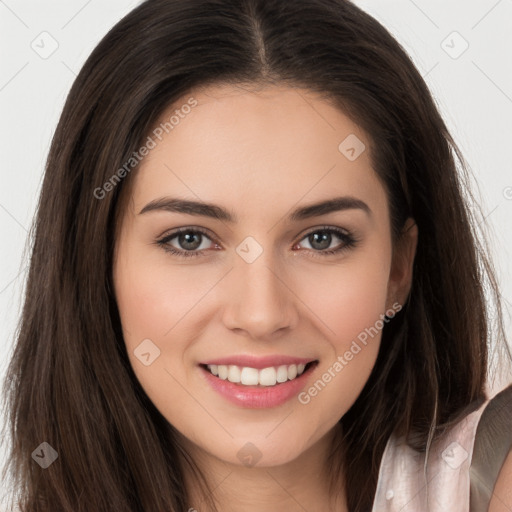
259	300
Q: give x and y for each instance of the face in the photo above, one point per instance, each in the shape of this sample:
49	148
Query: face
261	284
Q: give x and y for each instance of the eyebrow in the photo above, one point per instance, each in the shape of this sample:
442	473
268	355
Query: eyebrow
171	204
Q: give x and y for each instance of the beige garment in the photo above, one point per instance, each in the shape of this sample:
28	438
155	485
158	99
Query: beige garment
404	485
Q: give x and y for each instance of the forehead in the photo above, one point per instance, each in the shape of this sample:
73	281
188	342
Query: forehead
253	147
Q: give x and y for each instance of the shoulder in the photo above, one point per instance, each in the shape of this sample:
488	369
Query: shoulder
408	482
497	433
433	481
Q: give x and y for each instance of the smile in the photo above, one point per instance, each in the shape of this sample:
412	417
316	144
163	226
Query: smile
251	387
247	376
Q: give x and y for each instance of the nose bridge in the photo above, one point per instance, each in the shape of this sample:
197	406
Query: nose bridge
261	302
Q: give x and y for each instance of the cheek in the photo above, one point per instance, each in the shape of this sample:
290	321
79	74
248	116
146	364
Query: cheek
153	303
163	303
152	299
355	305
351	307
348	297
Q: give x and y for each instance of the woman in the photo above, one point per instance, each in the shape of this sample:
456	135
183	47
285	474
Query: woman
255	281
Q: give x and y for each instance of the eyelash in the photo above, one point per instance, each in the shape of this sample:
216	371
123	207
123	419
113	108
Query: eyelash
349	241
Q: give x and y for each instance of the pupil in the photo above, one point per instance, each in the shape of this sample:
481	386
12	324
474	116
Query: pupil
325	241
186	243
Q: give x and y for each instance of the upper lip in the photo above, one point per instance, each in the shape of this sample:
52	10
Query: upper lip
258	362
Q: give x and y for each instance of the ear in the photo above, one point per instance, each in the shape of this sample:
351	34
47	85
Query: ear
400	276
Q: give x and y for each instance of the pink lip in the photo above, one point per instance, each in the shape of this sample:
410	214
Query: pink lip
258	362
258	397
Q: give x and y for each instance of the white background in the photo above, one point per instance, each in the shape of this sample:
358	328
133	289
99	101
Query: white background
473	91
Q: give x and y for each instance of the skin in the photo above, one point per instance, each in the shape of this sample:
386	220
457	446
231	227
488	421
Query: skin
259	154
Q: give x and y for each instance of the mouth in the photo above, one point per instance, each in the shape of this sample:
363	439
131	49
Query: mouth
258	388
257	378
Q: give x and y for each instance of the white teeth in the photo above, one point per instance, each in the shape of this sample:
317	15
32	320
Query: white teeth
233	373
223	371
252	377
249	376
282	373
268	377
292	371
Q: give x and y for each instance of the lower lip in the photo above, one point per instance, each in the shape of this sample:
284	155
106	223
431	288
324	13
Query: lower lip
258	397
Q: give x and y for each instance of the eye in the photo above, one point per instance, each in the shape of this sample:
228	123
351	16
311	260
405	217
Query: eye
321	239
190	242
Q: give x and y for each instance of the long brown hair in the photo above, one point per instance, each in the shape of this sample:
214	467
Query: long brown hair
70	382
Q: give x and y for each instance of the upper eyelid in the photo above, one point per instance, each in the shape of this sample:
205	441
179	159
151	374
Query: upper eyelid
169	235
